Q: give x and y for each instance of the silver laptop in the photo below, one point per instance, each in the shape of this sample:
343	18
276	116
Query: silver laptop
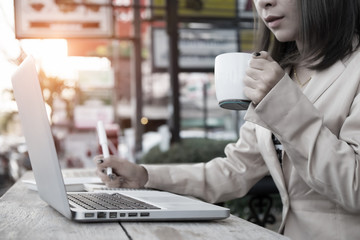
121	205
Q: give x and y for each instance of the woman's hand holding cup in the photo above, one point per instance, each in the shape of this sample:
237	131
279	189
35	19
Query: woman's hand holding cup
261	76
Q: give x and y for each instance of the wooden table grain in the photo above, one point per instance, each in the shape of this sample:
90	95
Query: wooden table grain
23	215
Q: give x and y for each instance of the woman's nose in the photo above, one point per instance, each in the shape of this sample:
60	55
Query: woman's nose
265	3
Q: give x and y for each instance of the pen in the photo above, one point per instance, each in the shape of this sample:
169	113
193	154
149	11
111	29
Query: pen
103	143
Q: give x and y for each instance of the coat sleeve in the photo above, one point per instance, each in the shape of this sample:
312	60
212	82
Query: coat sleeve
323	148
218	180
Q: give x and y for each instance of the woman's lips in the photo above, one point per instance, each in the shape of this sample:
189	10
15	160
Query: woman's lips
273	21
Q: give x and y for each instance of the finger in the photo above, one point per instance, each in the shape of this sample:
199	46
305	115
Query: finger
249	81
102	175
114	180
259	60
256	54
99	159
252	94
267	56
102	162
117	164
263	55
255	74
258	63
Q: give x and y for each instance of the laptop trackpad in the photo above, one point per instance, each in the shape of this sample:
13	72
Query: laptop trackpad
165	199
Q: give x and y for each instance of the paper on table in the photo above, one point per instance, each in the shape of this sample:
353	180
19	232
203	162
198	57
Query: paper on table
71	184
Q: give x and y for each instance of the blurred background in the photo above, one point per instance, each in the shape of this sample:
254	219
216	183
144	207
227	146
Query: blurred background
143	67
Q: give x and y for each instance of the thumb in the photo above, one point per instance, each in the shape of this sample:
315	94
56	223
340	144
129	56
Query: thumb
263	55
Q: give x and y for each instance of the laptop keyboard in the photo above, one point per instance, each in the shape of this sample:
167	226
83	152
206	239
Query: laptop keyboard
104	201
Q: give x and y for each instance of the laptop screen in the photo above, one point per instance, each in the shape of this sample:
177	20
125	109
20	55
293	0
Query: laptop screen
38	136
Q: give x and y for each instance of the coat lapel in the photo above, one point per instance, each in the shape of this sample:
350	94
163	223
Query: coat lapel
268	152
323	80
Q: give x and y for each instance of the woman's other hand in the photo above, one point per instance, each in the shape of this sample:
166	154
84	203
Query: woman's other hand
125	174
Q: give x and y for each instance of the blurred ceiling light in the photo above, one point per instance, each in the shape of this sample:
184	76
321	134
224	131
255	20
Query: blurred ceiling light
144	120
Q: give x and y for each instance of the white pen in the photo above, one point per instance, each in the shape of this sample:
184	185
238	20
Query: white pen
103	143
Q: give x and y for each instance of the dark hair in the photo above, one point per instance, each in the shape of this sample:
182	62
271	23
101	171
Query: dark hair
329	29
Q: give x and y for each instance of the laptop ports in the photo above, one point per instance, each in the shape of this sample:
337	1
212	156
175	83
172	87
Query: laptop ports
132	214
89	215
101	215
144	214
112	215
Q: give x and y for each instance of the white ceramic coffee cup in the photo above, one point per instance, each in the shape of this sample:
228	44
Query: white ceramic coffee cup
229	73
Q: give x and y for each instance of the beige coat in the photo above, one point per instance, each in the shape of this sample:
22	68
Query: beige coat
320	132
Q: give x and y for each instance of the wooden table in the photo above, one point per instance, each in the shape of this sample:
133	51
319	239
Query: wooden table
23	215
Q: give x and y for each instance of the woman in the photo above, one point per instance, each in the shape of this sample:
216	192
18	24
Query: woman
304	88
